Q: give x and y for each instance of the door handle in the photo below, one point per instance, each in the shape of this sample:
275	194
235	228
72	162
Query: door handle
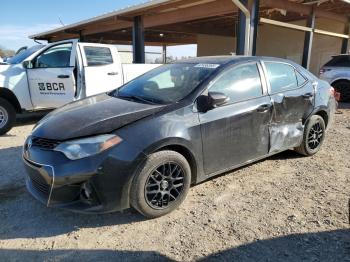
63	76
308	95
264	108
112	73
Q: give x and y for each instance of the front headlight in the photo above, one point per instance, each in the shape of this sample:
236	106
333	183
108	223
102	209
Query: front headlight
80	148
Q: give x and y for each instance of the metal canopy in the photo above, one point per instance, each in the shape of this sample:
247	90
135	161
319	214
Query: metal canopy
180	21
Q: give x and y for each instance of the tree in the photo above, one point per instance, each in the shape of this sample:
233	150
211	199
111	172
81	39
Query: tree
6	52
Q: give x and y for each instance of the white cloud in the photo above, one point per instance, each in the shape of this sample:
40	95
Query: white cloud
14	37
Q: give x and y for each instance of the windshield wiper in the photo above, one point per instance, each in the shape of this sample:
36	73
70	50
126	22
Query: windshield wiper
137	98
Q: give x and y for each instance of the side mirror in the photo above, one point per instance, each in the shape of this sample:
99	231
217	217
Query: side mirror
210	101
217	99
27	64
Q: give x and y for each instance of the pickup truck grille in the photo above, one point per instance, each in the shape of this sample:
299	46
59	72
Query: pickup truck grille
43	143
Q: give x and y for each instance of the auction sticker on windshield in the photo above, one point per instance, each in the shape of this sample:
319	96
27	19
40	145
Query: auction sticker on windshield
207	65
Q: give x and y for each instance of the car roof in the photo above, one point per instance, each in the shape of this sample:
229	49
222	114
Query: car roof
222	60
341	55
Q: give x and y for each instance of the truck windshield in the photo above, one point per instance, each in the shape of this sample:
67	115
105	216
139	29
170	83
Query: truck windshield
166	84
19	58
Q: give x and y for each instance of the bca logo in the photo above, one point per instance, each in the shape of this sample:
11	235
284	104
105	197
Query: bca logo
51	86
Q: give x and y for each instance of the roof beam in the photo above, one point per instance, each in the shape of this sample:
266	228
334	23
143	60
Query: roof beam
219	7
195	29
148	39
303	9
100	29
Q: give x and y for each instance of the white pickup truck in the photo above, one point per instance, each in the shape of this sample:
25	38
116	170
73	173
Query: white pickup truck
47	77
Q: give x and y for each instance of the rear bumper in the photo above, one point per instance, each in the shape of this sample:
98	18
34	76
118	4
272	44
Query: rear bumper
98	184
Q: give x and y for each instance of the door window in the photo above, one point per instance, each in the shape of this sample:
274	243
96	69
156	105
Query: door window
96	56
300	78
54	57
282	77
239	83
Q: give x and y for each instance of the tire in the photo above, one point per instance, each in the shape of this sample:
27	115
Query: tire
343	87
148	187
7	116
314	135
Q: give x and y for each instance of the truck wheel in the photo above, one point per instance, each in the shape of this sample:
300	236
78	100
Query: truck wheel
7	116
161	185
314	134
343	87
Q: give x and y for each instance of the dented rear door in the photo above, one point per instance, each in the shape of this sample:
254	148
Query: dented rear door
292	96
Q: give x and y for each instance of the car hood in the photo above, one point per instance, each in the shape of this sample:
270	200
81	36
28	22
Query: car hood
92	116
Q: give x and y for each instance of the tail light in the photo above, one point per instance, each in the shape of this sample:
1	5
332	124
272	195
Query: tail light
324	70
334	93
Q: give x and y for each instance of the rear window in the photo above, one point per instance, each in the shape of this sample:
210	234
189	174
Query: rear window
341	61
97	56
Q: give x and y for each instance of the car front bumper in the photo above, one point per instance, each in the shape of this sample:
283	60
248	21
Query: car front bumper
96	184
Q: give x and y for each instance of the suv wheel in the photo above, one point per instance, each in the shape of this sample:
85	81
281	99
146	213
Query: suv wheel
343	87
161	185
7	116
314	134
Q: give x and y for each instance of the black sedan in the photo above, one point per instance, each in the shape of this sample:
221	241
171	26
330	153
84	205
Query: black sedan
143	145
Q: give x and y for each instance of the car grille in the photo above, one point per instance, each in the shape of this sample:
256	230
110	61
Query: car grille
40	184
43	143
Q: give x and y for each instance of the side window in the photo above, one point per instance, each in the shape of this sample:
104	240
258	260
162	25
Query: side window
300	78
97	56
281	76
239	83
56	56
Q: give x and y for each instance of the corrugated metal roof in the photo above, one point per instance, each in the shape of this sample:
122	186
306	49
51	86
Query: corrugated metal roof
122	11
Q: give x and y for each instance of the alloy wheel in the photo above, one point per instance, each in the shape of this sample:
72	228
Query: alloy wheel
315	136
164	185
3	117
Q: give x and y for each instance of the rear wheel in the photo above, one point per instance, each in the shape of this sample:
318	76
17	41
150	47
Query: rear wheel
314	134
161	185
7	116
343	87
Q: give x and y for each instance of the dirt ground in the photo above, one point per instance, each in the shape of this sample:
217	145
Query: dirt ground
285	208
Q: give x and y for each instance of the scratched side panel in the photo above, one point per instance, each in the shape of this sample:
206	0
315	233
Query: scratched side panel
290	109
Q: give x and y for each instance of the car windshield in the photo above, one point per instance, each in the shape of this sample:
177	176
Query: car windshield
19	58
166	84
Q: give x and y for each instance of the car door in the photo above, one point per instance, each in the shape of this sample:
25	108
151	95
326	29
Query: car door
51	76
292	97
102	68
237	131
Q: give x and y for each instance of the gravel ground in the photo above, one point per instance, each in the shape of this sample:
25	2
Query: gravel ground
285	208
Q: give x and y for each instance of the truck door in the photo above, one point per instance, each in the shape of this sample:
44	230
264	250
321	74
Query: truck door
51	76
102	68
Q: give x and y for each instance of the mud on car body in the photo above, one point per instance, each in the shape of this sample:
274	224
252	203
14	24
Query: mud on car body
143	145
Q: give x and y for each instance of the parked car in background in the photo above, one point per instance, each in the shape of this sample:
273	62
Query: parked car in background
337	73
47	77
145	143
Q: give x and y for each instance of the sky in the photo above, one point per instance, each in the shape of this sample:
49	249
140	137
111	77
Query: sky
21	18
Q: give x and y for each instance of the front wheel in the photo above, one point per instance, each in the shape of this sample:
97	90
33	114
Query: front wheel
7	116
314	134
161	185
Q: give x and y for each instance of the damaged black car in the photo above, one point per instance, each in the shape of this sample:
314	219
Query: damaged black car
144	144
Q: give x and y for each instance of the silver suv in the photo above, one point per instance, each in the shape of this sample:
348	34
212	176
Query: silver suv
337	73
